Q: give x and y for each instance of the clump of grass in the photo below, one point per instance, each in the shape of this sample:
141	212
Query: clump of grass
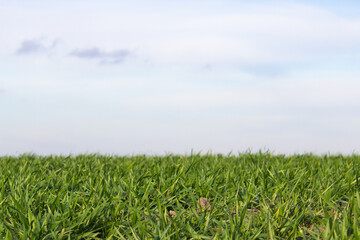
249	196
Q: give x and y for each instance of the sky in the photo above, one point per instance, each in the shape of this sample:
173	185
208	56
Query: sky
160	77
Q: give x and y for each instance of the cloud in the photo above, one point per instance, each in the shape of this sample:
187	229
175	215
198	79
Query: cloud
258	34
110	57
36	46
2	90
29	47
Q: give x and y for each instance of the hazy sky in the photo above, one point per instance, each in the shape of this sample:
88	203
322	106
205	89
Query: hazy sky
128	77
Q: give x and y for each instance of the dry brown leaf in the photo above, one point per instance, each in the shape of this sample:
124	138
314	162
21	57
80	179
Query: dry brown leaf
172	213
203	205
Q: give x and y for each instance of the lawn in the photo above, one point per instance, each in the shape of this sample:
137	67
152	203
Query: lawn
244	196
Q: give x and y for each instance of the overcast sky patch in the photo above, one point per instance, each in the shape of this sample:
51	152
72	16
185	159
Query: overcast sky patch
133	76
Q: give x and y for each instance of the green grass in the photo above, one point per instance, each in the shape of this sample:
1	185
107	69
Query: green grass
252	196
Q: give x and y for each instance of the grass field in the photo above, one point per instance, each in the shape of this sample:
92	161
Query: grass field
248	196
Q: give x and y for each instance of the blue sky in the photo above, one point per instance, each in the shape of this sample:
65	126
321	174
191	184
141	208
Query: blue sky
159	77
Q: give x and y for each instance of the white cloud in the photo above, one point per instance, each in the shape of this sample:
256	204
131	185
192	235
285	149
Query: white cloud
260	37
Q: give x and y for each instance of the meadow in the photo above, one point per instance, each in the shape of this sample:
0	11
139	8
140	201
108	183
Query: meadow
247	196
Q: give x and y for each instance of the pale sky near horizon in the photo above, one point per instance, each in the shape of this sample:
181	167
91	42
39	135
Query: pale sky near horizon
155	77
